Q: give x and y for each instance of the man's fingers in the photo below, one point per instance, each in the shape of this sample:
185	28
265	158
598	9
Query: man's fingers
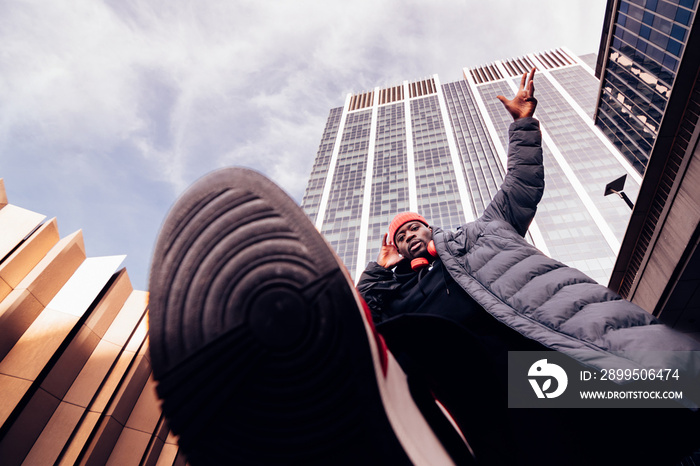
531	83
384	239
530	90
502	98
523	80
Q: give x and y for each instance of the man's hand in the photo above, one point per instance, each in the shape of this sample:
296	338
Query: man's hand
524	103
388	255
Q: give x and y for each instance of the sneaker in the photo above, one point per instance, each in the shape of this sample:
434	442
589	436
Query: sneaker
260	344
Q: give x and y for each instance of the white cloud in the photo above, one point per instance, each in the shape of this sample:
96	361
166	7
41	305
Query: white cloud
99	98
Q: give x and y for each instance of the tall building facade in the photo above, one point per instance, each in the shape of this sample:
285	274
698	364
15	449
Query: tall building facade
643	44
649	106
440	149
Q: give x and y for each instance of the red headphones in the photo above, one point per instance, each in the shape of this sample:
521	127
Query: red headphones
420	262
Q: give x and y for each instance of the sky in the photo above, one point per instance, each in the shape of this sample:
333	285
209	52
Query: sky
110	109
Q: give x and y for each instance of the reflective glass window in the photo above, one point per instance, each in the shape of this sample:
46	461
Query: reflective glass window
666	9
683	16
678	32
645	31
659	39
633	25
674	47
636	12
662	24
670	62
656	54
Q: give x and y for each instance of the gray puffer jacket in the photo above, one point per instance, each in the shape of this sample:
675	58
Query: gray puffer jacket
539	297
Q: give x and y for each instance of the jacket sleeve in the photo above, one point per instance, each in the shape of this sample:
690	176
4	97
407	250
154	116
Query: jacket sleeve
523	186
375	283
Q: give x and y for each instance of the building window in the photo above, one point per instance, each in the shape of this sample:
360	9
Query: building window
670	63
683	16
674	47
648	18
622	20
678	33
667	10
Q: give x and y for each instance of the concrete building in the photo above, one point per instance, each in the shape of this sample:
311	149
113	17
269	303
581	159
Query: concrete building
440	149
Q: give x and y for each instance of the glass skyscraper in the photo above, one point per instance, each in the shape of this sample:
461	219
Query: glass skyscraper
649	106
648	39
440	149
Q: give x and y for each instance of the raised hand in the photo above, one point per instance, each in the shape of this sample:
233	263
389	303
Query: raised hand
388	255
524	103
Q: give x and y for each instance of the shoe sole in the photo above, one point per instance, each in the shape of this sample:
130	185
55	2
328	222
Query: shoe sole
260	349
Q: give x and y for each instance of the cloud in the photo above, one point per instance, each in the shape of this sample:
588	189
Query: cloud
188	81
111	109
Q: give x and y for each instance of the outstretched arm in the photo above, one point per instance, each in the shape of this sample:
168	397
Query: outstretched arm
523	186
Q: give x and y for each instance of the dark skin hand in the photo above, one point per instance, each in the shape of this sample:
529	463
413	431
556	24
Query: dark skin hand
522	105
388	255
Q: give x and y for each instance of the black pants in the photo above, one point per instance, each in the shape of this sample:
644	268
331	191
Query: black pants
467	373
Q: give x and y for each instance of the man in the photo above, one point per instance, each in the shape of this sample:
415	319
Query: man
492	292
265	353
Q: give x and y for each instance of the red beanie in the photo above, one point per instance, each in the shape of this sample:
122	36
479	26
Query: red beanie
401	219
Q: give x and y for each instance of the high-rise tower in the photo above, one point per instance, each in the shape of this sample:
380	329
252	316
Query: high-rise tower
649	106
642	47
440	149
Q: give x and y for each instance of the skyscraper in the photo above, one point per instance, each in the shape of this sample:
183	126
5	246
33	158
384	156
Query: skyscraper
649	106
643	43
440	149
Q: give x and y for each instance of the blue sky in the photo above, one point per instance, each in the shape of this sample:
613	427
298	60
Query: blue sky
110	109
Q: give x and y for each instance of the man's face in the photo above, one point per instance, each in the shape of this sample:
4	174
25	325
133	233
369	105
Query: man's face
412	240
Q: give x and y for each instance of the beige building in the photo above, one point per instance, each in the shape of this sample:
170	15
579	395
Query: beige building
75	375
